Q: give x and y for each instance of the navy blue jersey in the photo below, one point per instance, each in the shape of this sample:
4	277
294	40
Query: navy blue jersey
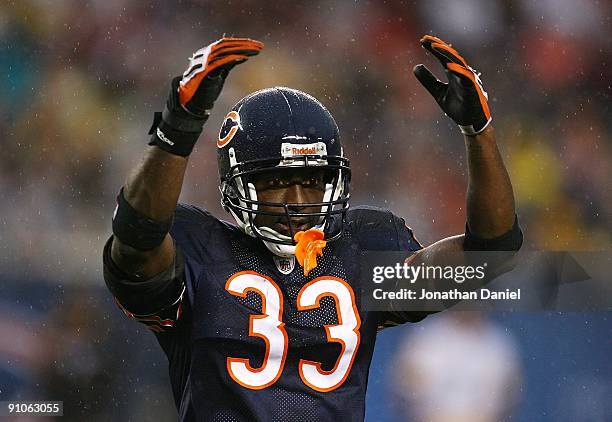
248	336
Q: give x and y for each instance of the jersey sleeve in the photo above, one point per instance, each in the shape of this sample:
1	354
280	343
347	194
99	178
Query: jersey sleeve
381	230
156	302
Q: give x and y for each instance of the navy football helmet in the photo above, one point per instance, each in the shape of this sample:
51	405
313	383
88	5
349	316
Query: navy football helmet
281	129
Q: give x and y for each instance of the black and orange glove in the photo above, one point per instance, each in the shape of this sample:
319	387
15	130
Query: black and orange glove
193	94
463	98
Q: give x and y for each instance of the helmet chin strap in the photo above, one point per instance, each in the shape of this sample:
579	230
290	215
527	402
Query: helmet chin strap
278	249
284	251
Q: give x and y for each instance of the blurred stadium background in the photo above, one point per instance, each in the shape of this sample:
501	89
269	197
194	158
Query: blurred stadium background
80	80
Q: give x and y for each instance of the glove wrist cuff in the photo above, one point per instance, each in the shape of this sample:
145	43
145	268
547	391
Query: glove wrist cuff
473	130
176	130
174	141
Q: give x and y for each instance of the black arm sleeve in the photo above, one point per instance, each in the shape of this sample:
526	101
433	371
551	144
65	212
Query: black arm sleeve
512	240
156	302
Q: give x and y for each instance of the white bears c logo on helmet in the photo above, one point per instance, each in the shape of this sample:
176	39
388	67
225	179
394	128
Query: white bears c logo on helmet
229	128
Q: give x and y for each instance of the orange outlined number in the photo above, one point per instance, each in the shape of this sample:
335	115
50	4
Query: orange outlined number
346	332
269	327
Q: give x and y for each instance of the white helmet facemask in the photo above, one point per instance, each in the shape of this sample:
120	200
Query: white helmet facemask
276	242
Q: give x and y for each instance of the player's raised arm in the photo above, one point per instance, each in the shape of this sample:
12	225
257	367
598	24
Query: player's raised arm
141	245
491	220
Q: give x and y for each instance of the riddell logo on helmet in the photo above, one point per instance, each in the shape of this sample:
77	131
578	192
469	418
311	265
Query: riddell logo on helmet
231	124
303	151
289	150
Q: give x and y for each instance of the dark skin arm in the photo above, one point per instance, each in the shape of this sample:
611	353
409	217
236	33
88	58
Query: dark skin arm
153	189
489	202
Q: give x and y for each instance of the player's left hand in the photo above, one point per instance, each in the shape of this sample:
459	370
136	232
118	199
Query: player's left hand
463	98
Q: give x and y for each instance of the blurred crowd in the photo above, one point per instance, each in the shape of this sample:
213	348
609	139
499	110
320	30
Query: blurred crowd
81	80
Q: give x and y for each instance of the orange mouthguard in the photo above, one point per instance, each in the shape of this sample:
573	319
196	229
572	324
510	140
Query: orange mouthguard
309	244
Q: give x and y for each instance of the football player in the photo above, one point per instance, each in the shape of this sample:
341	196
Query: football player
259	318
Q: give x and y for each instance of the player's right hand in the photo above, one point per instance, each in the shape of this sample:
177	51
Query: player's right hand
203	80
